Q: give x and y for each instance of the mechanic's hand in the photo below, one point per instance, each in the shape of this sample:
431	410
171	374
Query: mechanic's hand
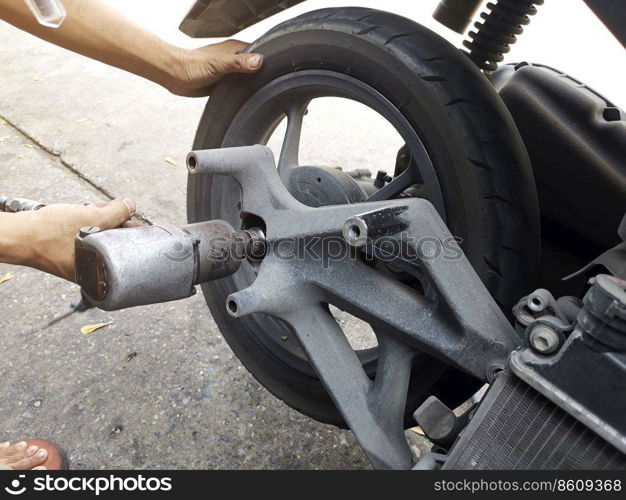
54	227
199	69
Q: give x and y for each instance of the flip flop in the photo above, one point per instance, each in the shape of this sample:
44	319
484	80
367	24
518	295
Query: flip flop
57	459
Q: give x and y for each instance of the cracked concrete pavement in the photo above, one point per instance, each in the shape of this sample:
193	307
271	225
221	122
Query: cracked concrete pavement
159	387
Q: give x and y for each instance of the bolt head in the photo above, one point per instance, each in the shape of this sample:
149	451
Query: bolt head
355	232
544	339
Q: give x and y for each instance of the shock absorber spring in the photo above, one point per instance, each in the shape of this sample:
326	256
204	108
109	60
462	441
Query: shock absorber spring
501	24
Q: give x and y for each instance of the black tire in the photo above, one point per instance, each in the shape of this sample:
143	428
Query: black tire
480	159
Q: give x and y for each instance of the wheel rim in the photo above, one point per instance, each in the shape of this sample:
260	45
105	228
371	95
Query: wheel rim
255	123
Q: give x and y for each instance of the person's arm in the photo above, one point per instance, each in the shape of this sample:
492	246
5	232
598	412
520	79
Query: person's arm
95	30
44	239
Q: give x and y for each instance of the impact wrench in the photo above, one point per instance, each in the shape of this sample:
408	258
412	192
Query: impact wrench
122	268
128	267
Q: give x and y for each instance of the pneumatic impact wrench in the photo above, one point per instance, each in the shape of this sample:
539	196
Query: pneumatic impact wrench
123	268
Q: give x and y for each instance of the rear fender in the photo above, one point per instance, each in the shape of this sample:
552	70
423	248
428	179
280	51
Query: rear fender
225	18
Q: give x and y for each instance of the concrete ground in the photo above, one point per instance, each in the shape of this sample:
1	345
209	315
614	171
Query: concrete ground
159	387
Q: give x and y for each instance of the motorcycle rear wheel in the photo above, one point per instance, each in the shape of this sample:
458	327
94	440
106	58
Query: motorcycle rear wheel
478	159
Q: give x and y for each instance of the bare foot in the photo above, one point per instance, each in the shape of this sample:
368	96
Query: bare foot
20	456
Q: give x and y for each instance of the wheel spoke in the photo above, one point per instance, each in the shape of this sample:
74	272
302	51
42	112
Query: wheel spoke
291	144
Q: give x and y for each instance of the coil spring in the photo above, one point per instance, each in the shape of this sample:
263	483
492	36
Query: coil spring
501	26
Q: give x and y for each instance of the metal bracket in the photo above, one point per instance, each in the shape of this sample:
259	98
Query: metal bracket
318	256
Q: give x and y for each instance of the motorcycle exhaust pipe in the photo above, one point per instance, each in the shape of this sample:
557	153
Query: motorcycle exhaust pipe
124	268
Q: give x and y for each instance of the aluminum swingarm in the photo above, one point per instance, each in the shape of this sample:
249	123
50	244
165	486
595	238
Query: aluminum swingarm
319	256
